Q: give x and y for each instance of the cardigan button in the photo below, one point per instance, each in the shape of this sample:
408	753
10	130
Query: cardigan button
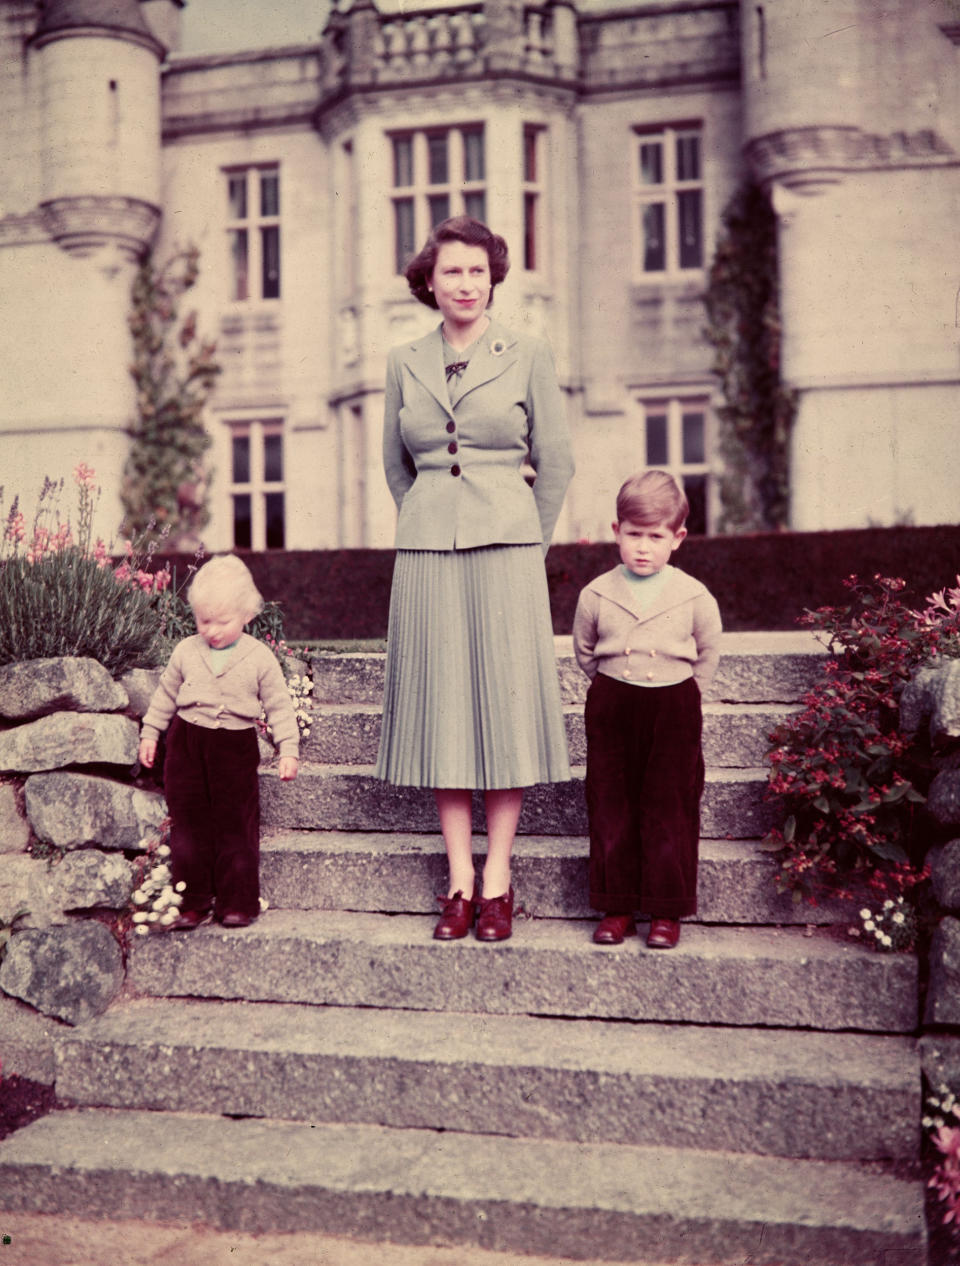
454	469
451	427
452	446
649	676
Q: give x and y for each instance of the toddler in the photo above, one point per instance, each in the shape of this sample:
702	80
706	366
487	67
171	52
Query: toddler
648	637
211	695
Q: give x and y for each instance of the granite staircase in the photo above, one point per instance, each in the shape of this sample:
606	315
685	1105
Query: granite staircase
751	1096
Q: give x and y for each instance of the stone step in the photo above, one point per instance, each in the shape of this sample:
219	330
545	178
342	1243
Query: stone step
349	798
734	735
778	1092
391	873
530	1196
754	668
776	978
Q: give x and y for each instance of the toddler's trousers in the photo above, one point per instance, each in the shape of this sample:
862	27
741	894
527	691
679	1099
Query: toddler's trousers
645	778
213	795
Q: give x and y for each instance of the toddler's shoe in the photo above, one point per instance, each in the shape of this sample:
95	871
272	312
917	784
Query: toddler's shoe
495	917
663	934
612	928
236	919
188	920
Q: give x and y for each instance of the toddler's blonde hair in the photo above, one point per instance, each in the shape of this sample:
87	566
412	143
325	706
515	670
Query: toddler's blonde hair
225	583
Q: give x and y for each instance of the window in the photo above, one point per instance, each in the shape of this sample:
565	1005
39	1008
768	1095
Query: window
668	215
532	196
257	485
436	174
253	232
677	438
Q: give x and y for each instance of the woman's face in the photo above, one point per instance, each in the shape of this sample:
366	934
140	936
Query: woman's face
461	283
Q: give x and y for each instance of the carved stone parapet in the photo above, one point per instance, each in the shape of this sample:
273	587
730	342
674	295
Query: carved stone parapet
83	225
810	159
23	230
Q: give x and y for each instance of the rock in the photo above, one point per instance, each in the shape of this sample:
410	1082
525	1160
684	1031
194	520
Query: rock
945	875
74	809
69	738
85	880
19	880
71	972
932	698
37	687
140	683
940	1059
14	828
943	799
27	1049
943	996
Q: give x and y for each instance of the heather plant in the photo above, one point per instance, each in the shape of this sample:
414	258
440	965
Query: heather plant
62	594
850	783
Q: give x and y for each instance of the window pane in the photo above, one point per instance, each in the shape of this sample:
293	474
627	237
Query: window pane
439	204
656	439
238	255
473	163
237	197
651	163
529	230
437	159
403	232
694	443
689	212
695	486
688	157
273	458
654	250
241	459
269	193
530	154
402	161
273	505
270	248
475	204
242	525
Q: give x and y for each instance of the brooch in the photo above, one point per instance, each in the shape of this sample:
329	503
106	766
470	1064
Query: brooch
497	347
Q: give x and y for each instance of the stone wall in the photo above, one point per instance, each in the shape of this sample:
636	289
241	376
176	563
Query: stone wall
72	821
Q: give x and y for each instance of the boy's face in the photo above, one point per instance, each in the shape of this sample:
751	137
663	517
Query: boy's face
645	548
219	626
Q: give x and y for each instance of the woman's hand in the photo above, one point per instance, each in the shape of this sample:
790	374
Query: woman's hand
147	752
288	768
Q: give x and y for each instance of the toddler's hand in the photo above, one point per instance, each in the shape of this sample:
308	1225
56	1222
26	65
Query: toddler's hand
288	768
147	753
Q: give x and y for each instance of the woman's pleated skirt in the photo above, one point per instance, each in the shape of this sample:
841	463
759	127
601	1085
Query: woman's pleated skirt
472	697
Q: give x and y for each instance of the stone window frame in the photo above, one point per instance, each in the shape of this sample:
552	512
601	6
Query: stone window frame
533	141
258	457
253	231
669	441
435	172
667	177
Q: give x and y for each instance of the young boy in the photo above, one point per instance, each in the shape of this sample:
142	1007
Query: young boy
211	695
648	637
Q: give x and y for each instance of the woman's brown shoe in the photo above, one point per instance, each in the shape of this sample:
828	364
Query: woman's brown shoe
457	918
612	928
664	933
495	918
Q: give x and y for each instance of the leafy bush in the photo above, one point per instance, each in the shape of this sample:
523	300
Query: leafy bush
62	595
850	783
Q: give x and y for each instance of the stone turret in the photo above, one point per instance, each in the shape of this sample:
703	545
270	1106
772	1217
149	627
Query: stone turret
97	64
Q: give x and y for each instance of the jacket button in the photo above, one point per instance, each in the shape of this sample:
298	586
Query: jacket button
626	672
451	427
454	469
452	446
649	676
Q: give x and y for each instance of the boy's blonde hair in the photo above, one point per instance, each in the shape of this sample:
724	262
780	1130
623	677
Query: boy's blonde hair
225	583
651	497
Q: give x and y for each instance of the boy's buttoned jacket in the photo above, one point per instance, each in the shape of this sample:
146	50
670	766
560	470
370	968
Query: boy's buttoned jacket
229	698
677	636
456	470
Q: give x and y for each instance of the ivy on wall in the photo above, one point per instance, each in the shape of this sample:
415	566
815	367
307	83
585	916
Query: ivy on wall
164	490
743	312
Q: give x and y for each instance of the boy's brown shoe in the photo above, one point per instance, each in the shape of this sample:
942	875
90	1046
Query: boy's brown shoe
612	928
664	933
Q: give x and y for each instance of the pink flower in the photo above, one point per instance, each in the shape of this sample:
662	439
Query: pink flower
85	475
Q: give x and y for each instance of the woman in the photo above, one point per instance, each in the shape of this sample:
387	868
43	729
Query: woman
472	697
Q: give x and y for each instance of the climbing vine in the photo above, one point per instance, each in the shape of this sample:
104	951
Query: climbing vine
164	491
743	312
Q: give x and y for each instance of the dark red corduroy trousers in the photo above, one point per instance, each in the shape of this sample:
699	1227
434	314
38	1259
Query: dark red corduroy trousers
644	782
213	795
